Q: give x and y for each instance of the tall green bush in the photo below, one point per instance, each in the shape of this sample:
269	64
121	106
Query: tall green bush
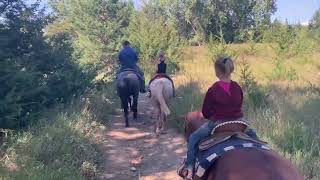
96	26
36	72
150	35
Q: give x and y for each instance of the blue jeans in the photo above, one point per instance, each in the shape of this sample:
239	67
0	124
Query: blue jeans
203	132
194	139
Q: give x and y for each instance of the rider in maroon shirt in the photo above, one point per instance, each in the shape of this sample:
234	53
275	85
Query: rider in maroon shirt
223	102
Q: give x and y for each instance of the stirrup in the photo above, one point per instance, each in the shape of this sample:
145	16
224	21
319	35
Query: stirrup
183	172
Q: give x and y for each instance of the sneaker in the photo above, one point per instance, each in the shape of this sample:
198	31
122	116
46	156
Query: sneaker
189	177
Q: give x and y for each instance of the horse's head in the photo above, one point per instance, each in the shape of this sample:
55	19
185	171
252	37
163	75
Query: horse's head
192	121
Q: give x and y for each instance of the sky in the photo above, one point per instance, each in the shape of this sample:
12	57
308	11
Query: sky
295	11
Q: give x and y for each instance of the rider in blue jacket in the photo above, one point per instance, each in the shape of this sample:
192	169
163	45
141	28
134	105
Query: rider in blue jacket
128	60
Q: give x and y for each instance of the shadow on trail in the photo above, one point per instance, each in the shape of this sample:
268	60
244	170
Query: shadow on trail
159	156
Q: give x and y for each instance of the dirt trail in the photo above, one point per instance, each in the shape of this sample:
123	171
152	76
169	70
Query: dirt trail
125	146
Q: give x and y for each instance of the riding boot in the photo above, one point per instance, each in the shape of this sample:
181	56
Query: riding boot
143	87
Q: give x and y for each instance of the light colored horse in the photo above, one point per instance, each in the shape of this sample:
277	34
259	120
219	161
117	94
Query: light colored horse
161	92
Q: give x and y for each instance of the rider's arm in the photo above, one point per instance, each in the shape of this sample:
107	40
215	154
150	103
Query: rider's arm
120	56
207	109
136	56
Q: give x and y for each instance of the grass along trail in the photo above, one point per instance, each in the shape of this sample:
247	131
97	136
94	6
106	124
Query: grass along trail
135	153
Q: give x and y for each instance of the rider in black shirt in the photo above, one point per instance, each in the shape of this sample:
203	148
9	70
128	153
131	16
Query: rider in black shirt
161	72
162	67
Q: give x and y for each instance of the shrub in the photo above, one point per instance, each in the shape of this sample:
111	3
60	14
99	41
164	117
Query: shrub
218	47
61	146
149	35
255	97
280	72
36	72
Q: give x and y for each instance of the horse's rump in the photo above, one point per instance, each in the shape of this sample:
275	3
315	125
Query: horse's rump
128	82
161	91
251	164
208	155
239	159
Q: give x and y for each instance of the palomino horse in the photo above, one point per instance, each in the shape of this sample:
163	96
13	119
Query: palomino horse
161	91
244	164
128	85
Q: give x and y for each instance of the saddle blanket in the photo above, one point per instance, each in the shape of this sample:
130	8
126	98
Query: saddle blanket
159	76
206	158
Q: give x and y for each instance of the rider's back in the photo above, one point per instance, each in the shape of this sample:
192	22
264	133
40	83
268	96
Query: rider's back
128	58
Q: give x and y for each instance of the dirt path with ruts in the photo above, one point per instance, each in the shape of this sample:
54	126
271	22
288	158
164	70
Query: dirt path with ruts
136	154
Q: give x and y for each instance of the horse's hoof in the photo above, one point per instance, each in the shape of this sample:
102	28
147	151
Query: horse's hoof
157	134
127	125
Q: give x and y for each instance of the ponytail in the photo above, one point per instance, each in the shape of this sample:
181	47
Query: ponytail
224	65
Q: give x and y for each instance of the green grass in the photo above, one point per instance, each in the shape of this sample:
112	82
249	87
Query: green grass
64	145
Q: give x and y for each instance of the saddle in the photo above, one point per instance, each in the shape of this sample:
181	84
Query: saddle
226	136
161	75
128	70
225	131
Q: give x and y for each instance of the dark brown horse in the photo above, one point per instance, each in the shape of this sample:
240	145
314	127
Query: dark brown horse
128	86
244	164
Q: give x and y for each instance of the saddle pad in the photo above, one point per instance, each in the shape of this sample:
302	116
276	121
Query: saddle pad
129	70
159	76
124	72
206	158
218	138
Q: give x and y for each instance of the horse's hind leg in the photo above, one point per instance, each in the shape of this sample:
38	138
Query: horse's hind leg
158	126
163	121
130	103
134	107
124	103
126	113
156	115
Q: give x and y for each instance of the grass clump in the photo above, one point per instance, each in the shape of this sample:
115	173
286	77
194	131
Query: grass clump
64	145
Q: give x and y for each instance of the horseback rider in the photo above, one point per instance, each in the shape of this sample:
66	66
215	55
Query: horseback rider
128	60
161	72
223	102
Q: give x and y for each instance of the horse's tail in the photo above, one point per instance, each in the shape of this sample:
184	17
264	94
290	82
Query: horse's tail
163	105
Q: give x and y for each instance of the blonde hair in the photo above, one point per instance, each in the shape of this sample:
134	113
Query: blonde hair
224	65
